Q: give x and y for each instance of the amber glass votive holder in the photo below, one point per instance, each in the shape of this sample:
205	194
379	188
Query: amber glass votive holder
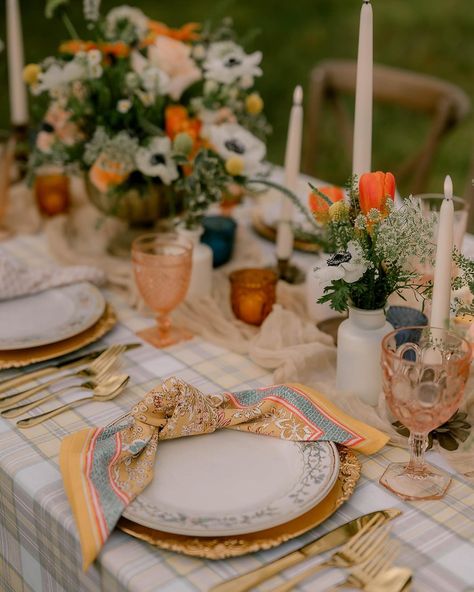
52	191
253	294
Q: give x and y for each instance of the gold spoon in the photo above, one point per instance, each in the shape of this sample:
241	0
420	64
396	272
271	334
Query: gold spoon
105	395
97	386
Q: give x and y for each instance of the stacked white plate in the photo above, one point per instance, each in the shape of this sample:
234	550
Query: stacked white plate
230	483
49	316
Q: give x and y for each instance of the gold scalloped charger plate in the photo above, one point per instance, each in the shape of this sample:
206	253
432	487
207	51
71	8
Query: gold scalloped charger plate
233	546
269	233
24	357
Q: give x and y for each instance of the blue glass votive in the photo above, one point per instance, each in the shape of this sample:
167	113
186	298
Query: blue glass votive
405	316
219	234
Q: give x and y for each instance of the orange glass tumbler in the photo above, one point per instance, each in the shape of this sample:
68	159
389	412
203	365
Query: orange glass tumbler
253	294
52	192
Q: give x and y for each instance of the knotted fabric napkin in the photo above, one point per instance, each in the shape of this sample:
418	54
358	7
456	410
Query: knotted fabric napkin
104	469
17	279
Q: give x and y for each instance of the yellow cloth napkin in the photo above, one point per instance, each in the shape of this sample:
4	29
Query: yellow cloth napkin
104	469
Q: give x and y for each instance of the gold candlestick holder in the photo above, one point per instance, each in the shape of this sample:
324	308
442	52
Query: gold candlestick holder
290	273
13	163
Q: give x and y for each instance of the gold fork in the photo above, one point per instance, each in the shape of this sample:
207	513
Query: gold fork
99	394
99	366
368	575
361	547
101	382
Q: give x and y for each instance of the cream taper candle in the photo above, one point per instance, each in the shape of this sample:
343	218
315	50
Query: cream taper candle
362	147
16	85
284	246
443	264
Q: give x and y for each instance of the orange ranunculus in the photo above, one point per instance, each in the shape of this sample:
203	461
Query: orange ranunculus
177	120
319	206
118	49
374	190
106	174
76	45
188	32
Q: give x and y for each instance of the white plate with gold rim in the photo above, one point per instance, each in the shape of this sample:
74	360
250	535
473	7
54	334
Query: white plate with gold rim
230	483
49	316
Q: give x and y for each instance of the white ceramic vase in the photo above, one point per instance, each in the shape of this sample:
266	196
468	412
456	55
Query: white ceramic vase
359	352
200	284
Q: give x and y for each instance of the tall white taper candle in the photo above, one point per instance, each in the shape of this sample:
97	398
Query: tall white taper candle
443	264
362	148
16	85
284	245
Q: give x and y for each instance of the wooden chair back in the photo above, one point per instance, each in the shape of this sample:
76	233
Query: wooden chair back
444	103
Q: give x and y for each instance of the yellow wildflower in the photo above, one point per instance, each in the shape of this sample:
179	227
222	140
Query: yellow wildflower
31	74
254	104
338	211
234	166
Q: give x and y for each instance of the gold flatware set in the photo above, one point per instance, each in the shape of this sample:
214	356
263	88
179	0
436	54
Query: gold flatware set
96	368
366	551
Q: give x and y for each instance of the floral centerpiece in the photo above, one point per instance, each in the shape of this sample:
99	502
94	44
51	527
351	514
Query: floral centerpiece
377	246
377	251
144	107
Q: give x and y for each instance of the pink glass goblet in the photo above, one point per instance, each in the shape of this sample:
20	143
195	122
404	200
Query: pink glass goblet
424	374
162	267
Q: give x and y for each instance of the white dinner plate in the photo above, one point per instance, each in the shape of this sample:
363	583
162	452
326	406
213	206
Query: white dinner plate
49	316
230	482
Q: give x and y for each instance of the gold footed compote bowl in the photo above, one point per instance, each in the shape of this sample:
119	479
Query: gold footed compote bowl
162	264
424	374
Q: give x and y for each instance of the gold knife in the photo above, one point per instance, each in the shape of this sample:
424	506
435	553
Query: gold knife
67	364
327	541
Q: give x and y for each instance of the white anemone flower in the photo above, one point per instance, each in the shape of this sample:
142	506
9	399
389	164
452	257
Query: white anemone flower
155	160
231	139
226	62
348	265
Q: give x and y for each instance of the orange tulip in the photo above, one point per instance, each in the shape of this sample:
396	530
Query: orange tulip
188	32
319	206
374	190
76	45
118	49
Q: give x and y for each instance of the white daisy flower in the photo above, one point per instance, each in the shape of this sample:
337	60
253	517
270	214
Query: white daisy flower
94	57
348	265
155	160
226	62
231	139
124	105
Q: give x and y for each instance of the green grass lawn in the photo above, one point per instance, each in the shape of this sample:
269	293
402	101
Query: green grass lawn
436	38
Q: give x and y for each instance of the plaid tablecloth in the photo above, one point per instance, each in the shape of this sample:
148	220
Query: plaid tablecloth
39	548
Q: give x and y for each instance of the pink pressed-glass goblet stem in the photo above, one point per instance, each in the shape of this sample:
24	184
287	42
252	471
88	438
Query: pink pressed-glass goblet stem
416	466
